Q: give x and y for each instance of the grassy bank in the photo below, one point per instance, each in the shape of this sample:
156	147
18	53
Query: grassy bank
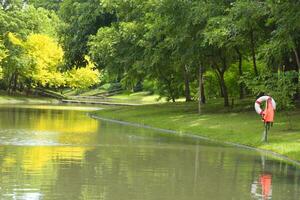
19	99
239	125
121	97
138	97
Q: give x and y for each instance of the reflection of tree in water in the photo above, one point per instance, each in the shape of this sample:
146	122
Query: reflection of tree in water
134	173
48	126
47	120
33	167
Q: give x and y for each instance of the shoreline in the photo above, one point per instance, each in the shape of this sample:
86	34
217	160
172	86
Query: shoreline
20	99
147	118
191	135
239	127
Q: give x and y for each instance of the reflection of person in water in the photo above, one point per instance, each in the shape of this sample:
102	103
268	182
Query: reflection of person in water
266	184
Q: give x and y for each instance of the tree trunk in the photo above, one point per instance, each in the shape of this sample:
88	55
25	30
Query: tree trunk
240	73
220	73
187	84
221	90
200	89
10	84
253	51
297	59
173	99
298	70
15	82
203	98
171	92
224	89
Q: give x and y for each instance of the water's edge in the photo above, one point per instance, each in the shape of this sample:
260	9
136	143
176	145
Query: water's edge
191	135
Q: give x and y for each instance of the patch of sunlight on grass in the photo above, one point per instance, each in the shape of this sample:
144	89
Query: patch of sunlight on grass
177	117
282	147
197	123
153	98
215	126
140	94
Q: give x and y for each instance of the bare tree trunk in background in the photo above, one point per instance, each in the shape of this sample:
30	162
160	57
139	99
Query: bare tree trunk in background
253	51
10	84
240	72
201	100
187	84
171	92
220	71
15	82
297	59
224	89
200	90
298	70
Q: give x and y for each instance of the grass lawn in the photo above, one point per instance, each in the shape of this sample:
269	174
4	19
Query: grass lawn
239	125
18	99
138	97
123	97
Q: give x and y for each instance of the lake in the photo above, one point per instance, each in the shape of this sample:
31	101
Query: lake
59	152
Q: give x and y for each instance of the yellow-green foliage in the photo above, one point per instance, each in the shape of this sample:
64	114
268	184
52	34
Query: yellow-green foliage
83	77
47	56
15	40
1	72
2	51
2	56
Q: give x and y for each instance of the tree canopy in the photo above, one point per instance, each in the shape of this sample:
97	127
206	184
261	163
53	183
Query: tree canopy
194	49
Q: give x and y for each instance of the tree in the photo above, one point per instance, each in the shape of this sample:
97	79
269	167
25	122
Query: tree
144	41
249	19
49	5
29	20
83	77
23	22
279	85
82	18
117	50
39	58
42	66
47	58
220	49
11	4
283	46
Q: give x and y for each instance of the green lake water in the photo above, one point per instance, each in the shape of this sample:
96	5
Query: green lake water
59	152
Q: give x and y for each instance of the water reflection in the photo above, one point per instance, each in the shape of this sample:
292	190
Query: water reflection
41	126
100	160
262	188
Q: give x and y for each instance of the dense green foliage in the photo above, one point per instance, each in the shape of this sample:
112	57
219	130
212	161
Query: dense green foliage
82	18
175	44
194	49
